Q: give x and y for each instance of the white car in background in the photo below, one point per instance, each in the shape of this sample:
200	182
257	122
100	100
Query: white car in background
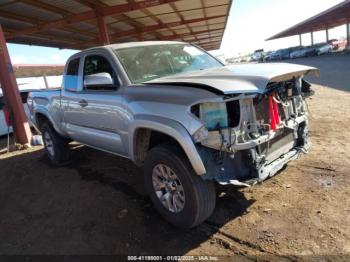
26	85
324	48
3	126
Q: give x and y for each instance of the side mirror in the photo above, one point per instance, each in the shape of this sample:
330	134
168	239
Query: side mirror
98	80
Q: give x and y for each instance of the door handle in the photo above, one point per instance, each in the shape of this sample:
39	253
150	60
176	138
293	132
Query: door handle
83	103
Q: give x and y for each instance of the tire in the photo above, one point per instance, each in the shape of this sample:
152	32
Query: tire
199	195
56	146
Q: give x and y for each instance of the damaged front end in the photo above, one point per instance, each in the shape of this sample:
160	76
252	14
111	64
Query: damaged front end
247	138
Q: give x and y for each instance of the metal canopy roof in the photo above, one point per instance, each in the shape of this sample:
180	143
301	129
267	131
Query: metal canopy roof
73	24
332	17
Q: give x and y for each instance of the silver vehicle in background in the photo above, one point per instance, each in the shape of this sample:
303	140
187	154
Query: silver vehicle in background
323	48
301	52
180	113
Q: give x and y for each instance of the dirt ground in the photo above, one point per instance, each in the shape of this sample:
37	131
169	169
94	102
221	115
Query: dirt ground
98	205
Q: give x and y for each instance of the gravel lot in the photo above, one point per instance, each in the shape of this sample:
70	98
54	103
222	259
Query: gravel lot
97	205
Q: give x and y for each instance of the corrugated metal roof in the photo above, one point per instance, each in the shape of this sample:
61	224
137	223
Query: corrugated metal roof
31	12
332	17
72	24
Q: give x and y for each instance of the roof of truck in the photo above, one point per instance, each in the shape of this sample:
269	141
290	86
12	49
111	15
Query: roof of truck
143	43
130	44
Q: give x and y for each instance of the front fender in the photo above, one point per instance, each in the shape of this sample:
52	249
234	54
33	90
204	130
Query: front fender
173	129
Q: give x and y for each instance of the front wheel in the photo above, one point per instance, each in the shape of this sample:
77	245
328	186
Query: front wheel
181	196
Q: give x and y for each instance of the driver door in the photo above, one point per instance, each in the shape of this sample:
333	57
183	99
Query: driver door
97	108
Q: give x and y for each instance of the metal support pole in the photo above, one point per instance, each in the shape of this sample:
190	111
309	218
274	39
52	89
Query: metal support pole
140	36
12	97
312	38
102	28
300	41
327	35
45	81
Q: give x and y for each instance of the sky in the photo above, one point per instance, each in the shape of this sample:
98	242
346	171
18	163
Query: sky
250	22
25	54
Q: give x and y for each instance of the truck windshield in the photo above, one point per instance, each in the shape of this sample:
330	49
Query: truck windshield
144	63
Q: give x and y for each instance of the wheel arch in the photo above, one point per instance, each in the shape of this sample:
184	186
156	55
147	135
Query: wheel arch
144	127
41	117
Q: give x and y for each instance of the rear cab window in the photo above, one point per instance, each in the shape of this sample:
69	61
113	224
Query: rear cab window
70	82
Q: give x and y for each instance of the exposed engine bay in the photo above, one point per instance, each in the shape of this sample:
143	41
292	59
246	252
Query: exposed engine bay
249	137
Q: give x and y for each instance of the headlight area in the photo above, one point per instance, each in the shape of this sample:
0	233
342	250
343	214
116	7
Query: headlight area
215	141
220	122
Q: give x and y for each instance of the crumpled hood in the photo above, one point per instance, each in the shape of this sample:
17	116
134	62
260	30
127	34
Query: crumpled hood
244	78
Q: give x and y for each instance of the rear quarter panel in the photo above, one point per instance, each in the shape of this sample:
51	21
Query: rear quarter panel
47	103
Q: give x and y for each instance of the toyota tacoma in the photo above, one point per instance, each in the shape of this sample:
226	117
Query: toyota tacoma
176	110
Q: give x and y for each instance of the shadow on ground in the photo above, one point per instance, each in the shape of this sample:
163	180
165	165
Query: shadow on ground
95	205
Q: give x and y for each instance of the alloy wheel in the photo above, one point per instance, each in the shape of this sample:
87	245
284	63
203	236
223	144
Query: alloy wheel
168	188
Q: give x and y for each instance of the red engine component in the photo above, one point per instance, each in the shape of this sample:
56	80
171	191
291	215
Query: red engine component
272	115
273	111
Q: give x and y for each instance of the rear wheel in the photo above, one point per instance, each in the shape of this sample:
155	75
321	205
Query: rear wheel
181	196
56	147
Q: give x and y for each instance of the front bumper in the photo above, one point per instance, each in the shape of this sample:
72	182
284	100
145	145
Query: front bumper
253	163
226	176
271	169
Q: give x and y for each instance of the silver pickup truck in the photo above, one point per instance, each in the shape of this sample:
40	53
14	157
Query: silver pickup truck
179	112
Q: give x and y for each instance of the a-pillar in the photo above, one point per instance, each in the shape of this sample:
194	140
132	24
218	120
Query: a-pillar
300	40
327	35
12	96
312	38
